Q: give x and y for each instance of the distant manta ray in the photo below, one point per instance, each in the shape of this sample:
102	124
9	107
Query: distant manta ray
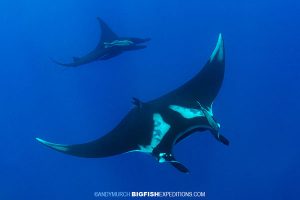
154	127
110	45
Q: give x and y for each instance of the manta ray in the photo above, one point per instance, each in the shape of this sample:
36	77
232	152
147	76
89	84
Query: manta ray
110	45
154	127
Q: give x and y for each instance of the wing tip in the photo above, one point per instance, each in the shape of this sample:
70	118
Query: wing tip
218	53
99	19
58	147
39	140
63	64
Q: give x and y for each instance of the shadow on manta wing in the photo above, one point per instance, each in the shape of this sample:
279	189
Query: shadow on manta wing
154	127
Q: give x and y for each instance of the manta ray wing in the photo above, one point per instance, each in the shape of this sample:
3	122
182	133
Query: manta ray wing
107	35
99	53
131	132
203	87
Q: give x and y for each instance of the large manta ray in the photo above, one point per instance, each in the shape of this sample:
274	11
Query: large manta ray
154	127
110	45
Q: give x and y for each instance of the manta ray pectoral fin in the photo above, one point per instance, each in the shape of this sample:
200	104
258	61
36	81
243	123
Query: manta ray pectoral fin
107	35
65	64
102	147
205	85
218	53
57	147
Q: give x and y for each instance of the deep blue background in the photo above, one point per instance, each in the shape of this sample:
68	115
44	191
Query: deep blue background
258	105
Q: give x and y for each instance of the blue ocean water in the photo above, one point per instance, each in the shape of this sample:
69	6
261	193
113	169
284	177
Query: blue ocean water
257	107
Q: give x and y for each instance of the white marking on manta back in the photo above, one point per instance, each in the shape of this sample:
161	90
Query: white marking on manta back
209	116
209	109
218	51
161	158
117	43
187	113
159	131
